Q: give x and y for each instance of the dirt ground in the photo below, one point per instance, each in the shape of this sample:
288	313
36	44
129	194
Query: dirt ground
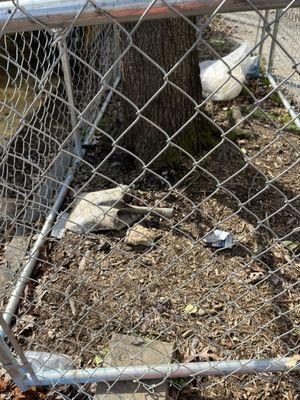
238	303
245	299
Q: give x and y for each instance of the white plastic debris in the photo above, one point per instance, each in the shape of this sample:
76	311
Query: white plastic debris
219	239
103	210
42	361
214	73
59	229
89	218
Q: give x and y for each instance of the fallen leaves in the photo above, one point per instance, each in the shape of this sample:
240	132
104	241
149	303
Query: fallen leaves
291	245
190	309
293	361
11	392
3	385
208	354
98	360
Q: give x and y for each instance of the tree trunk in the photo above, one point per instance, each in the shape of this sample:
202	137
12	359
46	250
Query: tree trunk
167	43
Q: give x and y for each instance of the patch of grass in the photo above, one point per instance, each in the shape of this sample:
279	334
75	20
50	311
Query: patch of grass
239	134
260	115
293	128
222	45
274	97
284	118
264	80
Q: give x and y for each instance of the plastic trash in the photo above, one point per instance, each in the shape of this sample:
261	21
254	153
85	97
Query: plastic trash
42	361
219	239
59	229
99	218
214	73
101	211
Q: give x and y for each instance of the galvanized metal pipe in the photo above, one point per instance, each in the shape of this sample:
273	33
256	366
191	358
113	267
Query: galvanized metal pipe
285	101
27	270
145	372
9	362
19	369
274	38
65	63
57	14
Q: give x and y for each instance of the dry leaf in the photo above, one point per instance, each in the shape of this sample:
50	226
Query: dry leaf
293	361
208	355
3	385
98	360
190	309
31	394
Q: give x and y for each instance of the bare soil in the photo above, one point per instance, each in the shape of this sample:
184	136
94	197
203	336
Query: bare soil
246	299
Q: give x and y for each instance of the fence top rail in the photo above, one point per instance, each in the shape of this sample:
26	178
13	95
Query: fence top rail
36	14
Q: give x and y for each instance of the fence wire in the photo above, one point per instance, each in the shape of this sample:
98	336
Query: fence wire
128	278
281	64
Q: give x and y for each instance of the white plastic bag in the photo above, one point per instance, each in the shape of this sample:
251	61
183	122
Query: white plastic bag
214	73
41	361
103	210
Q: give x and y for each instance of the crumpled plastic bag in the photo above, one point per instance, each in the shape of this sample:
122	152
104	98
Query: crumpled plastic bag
42	361
98	217
103	210
214	73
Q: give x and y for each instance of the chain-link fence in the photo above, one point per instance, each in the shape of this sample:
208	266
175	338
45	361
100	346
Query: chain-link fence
281	63
149	211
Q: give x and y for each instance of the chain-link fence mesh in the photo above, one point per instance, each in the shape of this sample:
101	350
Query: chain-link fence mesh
130	274
36	128
281	64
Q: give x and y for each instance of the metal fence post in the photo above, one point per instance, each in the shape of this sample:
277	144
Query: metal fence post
62	45
262	37
117	51
274	38
270	75
9	362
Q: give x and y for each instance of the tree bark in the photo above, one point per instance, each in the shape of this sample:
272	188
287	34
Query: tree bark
168	108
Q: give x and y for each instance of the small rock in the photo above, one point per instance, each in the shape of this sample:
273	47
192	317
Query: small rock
51	333
84	260
237	116
140	236
127	248
137	341
202	312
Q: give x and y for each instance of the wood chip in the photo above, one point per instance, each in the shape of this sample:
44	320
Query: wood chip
140	236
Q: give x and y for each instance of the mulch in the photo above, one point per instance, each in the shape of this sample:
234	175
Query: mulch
238	303
244	299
